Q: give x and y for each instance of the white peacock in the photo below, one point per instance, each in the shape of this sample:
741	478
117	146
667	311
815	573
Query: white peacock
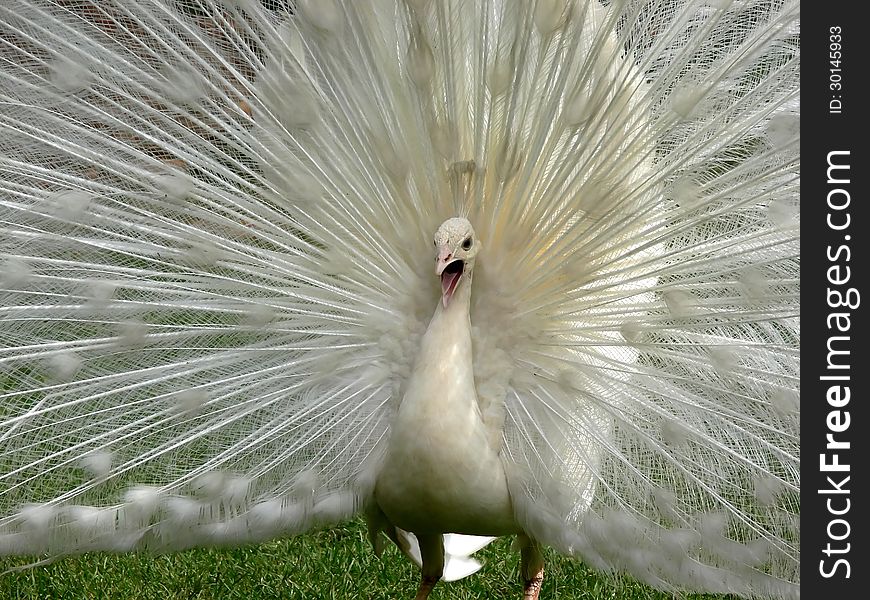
221	322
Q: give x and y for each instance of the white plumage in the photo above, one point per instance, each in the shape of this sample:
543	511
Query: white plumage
217	286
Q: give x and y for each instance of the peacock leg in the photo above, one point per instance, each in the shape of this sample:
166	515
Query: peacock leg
432	554
531	567
426	585
532	587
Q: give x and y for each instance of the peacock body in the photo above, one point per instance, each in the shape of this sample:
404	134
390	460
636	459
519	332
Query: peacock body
221	324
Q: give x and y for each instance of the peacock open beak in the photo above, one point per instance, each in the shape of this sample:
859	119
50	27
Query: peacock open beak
450	270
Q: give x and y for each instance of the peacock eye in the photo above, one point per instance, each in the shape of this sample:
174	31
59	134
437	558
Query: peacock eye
466	244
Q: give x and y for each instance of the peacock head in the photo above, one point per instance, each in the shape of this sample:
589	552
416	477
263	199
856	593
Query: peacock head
455	246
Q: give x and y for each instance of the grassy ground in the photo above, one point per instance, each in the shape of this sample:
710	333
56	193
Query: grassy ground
336	564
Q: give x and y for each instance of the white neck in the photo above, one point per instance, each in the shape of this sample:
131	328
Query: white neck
443	377
441	473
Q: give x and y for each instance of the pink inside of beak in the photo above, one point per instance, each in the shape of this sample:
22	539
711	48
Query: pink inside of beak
450	279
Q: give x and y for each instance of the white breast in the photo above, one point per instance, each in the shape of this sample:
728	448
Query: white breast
440	472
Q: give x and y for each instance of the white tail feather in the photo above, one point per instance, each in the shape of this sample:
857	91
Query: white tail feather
464	545
457	553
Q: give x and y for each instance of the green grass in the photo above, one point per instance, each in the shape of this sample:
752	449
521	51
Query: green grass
335	564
